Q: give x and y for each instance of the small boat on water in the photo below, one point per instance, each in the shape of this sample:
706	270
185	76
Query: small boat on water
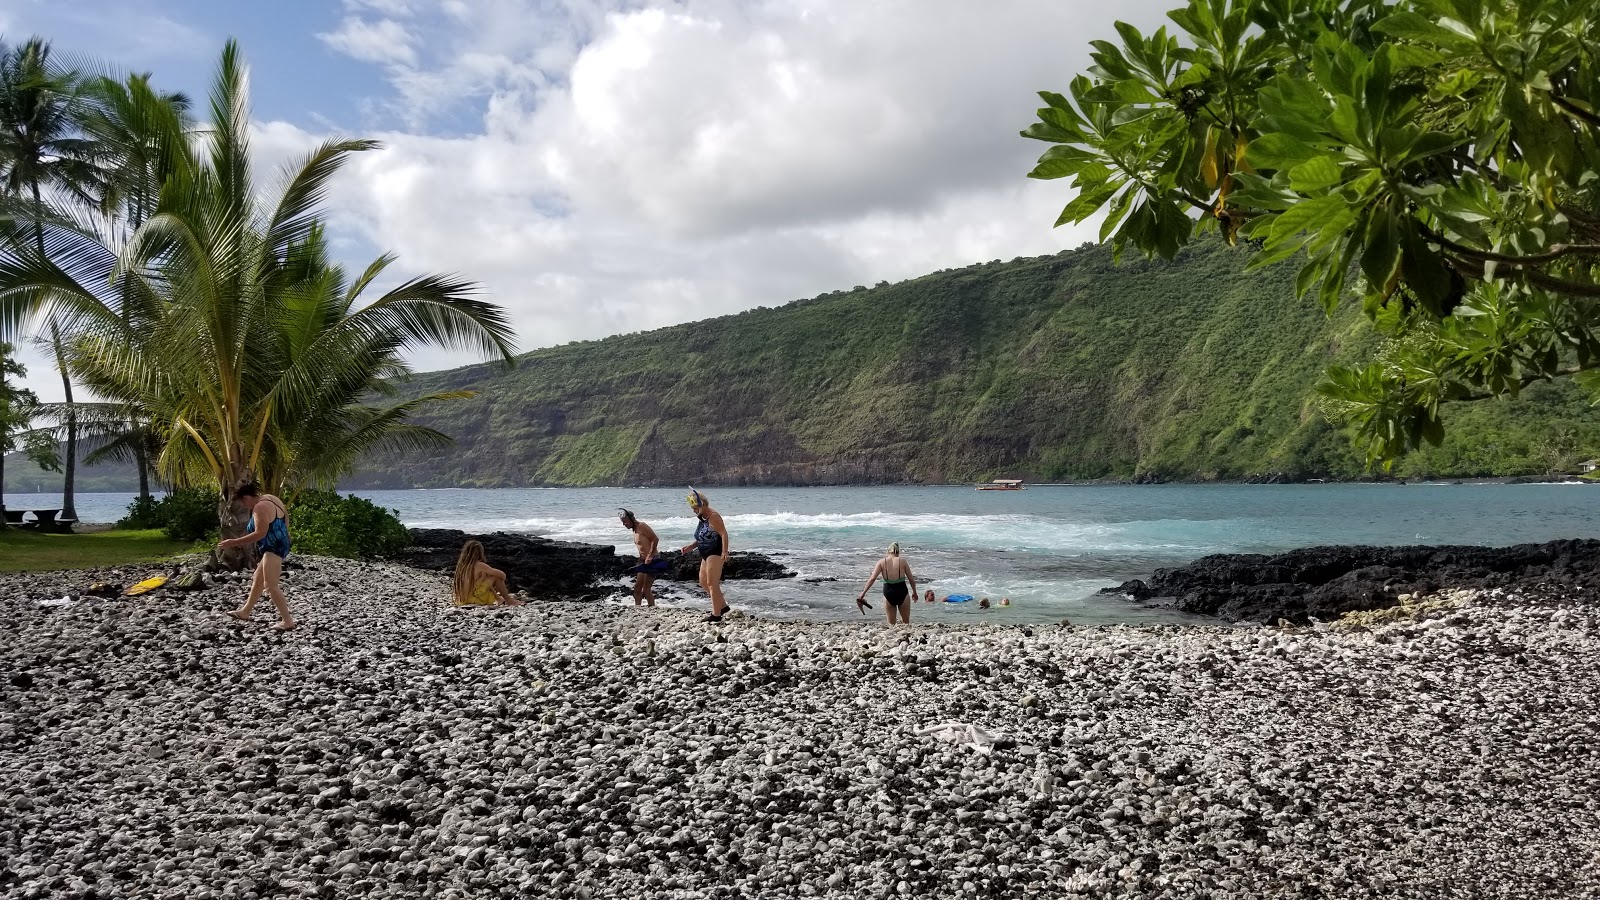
1002	484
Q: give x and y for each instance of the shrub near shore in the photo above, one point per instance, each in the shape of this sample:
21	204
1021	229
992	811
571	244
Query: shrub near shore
322	522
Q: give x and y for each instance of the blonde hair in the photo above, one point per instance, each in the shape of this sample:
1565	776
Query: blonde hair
894	549
467	570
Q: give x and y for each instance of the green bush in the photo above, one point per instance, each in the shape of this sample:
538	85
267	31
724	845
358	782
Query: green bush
189	514
330	524
143	513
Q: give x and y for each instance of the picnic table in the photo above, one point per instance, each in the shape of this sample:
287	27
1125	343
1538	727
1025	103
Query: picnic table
45	520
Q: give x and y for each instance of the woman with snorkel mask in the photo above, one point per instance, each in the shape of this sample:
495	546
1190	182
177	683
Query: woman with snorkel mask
711	541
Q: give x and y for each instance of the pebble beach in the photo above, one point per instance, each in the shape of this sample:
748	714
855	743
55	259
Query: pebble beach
395	747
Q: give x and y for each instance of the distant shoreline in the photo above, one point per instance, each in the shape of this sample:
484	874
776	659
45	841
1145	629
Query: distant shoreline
1196	482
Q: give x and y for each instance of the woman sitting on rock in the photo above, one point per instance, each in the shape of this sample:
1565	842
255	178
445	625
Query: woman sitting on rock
478	583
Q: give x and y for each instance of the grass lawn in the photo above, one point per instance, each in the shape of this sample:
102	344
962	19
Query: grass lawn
24	551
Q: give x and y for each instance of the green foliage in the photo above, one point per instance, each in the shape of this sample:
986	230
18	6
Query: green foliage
1057	367
330	524
143	513
1446	153
186	514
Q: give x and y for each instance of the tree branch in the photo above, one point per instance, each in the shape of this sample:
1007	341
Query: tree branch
1556	251
1561	285
1473	268
1575	111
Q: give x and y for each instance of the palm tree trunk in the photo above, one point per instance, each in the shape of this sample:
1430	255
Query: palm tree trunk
232	520
2	485
69	506
142	460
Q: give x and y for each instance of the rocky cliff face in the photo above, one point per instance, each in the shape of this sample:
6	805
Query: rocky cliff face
1064	367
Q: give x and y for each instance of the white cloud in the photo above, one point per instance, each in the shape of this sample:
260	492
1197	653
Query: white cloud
697	158
383	41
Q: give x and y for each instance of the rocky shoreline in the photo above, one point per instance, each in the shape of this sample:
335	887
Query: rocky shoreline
395	747
566	570
1323	583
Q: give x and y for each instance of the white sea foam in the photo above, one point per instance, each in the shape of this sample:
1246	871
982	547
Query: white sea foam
870	532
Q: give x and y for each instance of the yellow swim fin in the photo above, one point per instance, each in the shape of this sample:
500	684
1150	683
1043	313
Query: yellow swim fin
146	586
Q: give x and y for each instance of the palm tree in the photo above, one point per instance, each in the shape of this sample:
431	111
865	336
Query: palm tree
42	149
222	317
138	135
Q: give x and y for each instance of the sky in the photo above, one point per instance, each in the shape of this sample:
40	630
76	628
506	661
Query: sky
601	167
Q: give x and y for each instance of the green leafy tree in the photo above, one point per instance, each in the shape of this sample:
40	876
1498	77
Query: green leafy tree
43	151
1438	157
224	321
18	408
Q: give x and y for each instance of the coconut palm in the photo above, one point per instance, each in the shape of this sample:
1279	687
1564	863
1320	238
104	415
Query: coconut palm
138	135
43	151
222	317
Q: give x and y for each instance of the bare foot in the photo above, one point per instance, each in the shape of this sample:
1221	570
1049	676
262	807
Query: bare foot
284	626
239	614
512	602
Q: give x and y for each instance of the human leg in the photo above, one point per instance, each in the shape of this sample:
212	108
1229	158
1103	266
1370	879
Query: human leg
711	574
502	593
638	590
648	589
272	566
258	583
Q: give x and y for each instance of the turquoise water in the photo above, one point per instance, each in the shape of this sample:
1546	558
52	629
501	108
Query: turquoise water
1047	548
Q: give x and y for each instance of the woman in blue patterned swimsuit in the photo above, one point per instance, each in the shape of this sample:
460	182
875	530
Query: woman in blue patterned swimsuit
711	541
269	531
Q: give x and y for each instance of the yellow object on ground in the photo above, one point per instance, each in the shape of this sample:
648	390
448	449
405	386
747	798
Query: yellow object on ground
146	586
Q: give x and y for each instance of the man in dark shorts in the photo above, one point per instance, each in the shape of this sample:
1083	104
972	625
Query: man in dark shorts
650	562
899	586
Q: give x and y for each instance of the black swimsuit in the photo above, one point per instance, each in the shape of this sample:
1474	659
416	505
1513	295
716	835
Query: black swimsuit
707	540
896	592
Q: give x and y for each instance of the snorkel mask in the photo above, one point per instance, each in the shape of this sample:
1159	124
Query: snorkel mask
696	500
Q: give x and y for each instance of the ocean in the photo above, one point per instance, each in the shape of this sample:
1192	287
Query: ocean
1047	548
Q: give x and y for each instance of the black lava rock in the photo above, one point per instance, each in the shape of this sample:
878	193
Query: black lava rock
564	570
1325	582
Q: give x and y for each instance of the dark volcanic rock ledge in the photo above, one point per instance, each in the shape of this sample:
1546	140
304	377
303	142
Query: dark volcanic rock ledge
564	570
1326	582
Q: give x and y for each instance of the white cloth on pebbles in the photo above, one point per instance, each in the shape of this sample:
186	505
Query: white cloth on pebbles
979	739
152	747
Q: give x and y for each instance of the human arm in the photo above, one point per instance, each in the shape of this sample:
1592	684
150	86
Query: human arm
912	580
722	532
876	571
262	523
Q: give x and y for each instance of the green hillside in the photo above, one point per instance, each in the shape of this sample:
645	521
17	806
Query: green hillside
1049	368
